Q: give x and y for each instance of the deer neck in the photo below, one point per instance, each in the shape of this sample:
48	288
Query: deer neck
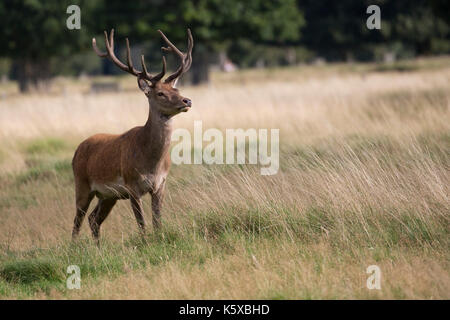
156	134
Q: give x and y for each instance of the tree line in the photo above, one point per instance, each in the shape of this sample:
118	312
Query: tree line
37	45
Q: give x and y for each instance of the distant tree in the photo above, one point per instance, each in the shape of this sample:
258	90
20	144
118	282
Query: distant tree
334	28
35	31
337	29
35	37
420	26
216	24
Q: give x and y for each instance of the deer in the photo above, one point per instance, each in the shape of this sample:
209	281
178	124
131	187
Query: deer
129	165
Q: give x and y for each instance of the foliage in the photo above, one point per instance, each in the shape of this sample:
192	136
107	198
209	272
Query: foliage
337	30
35	31
252	32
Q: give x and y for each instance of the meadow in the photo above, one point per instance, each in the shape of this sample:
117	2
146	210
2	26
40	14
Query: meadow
364	180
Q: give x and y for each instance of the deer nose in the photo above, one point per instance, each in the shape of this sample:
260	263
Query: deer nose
187	102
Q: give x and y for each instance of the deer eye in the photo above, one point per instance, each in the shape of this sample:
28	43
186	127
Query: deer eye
161	94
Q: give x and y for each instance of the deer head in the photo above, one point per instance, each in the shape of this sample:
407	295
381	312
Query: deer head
162	95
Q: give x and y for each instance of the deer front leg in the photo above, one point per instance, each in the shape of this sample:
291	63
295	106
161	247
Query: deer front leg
99	215
136	205
157	199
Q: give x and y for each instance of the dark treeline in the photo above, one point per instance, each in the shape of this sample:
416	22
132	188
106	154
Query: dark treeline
36	43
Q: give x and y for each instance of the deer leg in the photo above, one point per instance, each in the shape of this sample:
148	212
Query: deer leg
157	199
93	215
83	200
136	205
99	215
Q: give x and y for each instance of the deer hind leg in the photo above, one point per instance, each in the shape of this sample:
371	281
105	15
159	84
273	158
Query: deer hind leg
99	215
157	199
136	205
83	200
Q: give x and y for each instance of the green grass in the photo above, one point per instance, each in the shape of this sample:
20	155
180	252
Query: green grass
214	235
46	170
27	272
48	146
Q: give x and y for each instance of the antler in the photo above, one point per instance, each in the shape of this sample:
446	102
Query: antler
186	58
129	67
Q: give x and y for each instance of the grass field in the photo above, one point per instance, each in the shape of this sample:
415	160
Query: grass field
364	180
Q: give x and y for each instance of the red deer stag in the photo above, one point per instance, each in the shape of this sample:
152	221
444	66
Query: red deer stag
129	165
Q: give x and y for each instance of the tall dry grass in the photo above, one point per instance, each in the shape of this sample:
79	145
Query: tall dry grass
364	179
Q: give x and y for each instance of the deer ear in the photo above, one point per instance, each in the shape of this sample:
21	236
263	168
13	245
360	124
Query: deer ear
144	86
